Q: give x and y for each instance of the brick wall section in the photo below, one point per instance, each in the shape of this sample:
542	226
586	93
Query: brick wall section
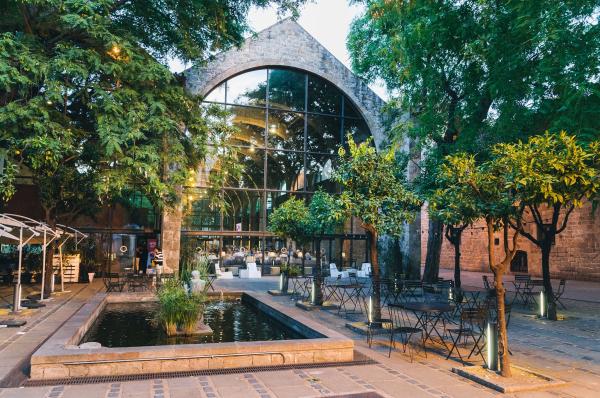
576	254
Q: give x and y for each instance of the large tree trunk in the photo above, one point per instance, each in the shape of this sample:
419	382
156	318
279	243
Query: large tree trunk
546	246
376	275
434	250
317	295
455	238
498	270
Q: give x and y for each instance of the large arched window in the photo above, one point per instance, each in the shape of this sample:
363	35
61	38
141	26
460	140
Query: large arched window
290	125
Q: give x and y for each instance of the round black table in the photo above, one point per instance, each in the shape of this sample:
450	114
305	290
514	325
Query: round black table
428	315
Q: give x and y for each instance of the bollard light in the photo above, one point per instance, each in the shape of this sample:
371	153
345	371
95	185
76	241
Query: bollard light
312	293
370	315
281	283
542	304
492	346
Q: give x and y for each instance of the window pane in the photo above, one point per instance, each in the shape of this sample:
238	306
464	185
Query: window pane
286	89
285	170
319	172
244	210
250	159
252	162
248	88
251	125
217	94
323	133
349	109
286	130
357	128
198	214
323	97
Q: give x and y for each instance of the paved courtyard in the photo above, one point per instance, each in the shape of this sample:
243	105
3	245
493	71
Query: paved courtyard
568	349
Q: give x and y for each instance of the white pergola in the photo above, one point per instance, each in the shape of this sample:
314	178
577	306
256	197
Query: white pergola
26	235
68	233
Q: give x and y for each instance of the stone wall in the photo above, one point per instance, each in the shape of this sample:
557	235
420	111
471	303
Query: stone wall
170	237
286	44
576	254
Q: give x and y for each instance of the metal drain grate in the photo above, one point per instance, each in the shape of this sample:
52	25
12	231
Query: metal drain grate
360	359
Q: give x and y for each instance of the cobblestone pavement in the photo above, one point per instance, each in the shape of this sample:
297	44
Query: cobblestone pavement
567	349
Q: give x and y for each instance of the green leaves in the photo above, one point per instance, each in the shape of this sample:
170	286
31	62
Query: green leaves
373	188
551	169
476	73
84	98
294	220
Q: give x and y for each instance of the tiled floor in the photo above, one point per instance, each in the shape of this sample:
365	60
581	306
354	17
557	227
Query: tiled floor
568	349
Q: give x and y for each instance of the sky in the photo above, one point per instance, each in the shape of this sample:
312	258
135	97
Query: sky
328	21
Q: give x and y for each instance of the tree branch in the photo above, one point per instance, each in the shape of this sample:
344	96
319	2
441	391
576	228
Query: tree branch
566	219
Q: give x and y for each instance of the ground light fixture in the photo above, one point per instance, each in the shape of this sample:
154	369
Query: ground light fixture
370	314
281	282
313	292
492	346
542	305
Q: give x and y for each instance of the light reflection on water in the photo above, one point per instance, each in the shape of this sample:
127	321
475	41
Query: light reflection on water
131	325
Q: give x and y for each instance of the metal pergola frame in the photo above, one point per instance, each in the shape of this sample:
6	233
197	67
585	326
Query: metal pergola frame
10	222
69	232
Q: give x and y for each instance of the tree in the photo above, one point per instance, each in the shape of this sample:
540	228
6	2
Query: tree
291	220
325	215
554	175
482	190
473	73
456	213
86	100
374	191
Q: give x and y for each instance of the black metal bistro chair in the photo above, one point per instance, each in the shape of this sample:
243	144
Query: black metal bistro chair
559	292
402	331
113	282
471	326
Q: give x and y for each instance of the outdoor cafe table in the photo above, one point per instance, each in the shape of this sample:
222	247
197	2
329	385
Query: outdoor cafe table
473	295
347	292
428	317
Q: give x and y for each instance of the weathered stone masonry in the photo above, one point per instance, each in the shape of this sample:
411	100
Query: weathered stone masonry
285	44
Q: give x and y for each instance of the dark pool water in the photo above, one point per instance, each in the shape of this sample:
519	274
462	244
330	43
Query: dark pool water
131	325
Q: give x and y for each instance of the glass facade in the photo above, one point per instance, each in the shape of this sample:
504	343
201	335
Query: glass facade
290	125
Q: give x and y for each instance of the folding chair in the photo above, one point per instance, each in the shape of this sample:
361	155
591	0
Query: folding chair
520	283
486	282
559	292
472	325
413	290
402	331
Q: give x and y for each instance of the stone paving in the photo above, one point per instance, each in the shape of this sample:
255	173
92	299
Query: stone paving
567	349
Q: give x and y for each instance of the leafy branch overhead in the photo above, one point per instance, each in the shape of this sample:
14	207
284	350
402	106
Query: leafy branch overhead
85	93
374	189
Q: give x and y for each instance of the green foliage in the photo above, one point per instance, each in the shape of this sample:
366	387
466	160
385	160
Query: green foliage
373	189
472	191
177	308
85	100
477	72
551	169
325	213
291	220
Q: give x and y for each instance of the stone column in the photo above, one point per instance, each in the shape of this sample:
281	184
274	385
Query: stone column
411	240
170	237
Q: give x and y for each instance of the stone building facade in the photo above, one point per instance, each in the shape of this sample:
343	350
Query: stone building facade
575	255
283	45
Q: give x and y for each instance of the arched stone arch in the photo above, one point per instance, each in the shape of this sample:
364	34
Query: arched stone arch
286	44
